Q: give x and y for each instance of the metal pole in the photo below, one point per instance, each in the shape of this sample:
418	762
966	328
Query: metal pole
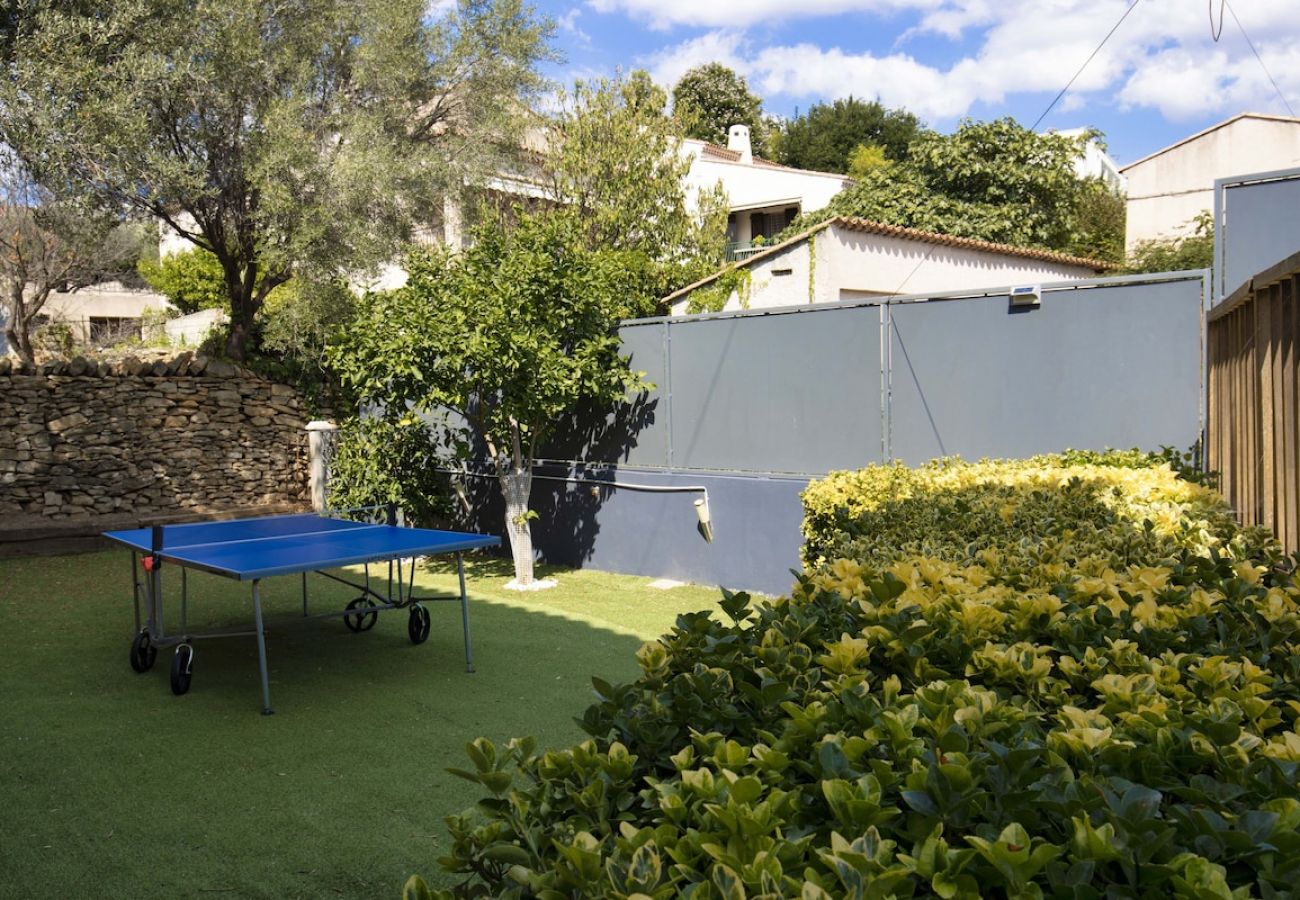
464	612
185	600
304	595
155	580
135	589
261	651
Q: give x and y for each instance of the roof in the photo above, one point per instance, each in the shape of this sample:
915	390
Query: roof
914	234
726	155
1200	134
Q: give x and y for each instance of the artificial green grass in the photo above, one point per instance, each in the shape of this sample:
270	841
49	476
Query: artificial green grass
112	787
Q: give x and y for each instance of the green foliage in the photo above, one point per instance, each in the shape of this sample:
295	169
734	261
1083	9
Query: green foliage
284	138
993	181
866	158
713	297
952	510
1193	251
377	462
191	279
1099	223
512	333
826	137
299	315
617	166
1101	703
710	98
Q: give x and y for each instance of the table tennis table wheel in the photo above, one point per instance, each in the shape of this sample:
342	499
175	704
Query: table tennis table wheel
182	669
362	621
143	652
417	626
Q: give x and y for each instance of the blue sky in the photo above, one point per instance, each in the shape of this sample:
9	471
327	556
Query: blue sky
1161	76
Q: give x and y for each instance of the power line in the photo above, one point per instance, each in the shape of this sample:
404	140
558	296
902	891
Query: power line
1259	59
1037	122
1058	97
1216	33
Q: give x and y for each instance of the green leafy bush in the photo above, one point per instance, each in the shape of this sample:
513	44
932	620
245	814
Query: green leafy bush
1102	702
377	462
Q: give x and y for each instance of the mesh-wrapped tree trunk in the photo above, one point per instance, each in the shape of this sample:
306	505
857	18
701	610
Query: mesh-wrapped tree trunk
515	487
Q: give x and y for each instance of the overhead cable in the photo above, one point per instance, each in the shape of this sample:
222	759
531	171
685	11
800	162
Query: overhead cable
1258	58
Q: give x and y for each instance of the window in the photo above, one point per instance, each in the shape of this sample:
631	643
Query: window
111	329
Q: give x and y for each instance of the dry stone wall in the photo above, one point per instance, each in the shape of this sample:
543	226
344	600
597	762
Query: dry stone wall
147	437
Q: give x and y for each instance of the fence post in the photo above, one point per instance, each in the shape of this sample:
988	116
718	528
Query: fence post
320	447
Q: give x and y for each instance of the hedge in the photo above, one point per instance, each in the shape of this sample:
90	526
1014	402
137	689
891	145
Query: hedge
1100	700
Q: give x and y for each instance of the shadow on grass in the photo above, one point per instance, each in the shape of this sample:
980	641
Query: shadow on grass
114	787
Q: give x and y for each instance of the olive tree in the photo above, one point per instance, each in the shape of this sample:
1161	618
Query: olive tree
510	334
281	136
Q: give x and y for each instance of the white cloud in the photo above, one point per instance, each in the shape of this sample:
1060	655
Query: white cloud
663	14
1162	57
568	23
726	47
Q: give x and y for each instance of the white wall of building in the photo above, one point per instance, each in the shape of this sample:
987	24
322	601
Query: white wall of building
853	265
1169	188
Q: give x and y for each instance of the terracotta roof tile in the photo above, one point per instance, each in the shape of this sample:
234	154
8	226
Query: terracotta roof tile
948	240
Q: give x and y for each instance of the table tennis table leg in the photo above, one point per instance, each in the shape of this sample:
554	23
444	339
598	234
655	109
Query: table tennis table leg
304	595
261	651
135	589
464	612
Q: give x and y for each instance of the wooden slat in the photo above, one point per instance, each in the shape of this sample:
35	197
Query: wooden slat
1288	484
1253	401
1263	375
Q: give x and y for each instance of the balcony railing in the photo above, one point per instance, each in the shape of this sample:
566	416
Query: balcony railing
738	250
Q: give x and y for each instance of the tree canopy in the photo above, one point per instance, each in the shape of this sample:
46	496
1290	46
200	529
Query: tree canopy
616	163
512	333
50	244
190	279
825	138
311	135
995	181
709	99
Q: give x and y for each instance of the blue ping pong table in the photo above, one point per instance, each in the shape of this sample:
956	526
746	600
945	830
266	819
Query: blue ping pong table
253	549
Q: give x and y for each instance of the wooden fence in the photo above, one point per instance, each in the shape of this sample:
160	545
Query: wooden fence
1253	423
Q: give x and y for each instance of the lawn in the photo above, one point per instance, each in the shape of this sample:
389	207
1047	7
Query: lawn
112	787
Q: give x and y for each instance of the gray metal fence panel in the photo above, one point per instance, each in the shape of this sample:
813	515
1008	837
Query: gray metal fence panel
633	433
1090	368
792	393
1257	224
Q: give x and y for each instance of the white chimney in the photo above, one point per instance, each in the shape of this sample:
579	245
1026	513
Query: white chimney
738	139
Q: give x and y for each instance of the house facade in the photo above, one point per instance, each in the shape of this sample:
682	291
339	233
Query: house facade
762	197
98	315
847	259
1169	188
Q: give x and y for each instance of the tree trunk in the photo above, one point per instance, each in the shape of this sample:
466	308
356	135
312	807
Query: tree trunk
237	338
516	485
18	325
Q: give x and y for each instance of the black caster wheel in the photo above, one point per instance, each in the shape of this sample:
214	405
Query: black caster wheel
182	669
417	626
143	652
362	621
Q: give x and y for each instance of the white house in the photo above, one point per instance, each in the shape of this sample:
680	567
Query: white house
763	197
851	259
1170	187
1095	161
103	313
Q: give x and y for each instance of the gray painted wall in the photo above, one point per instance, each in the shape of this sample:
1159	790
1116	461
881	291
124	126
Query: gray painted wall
753	405
1257	224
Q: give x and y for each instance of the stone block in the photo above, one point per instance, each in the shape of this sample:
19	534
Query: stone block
67	422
